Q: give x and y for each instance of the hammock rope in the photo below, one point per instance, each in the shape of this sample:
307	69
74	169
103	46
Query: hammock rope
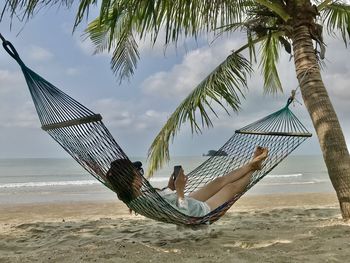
83	135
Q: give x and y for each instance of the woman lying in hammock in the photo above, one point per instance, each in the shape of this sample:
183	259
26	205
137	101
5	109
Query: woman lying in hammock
128	183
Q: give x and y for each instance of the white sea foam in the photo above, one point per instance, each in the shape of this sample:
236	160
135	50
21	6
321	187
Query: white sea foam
43	184
283	175
295	183
159	179
165	179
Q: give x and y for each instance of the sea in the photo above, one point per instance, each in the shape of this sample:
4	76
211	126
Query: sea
49	180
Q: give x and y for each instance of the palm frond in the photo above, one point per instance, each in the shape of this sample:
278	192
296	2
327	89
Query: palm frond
276	7
225	83
83	10
337	17
125	57
99	36
269	57
322	4
251	46
24	9
115	32
189	18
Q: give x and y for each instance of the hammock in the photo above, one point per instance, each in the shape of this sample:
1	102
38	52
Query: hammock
83	135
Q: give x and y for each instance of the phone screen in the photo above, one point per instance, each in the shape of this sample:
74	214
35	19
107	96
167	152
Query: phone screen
177	169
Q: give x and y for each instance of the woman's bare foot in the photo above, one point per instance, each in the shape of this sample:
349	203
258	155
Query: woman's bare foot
260	155
258	151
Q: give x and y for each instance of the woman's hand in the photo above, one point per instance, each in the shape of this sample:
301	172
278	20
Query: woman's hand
171	183
180	183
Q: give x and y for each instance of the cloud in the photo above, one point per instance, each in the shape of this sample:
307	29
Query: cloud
72	71
88	48
115	112
129	116
10	80
39	54
146	45
338	86
16	107
18	112
183	77
67	28
23	116
85	46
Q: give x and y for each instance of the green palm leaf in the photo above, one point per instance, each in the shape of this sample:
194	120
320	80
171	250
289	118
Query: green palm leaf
225	83
99	35
276	7
29	7
115	32
269	58
190	18
83	9
125	57
337	17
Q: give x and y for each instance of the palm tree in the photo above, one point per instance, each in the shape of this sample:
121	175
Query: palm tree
295	26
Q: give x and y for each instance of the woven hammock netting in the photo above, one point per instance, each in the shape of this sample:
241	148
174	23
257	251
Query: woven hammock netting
83	135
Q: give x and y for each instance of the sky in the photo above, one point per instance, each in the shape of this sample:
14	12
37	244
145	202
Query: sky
135	111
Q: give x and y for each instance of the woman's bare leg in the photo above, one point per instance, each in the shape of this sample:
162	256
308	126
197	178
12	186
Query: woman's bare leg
230	190
217	184
214	186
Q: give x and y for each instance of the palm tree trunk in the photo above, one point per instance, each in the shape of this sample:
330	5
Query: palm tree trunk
324	118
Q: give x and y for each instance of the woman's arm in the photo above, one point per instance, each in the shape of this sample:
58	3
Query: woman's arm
171	183
180	183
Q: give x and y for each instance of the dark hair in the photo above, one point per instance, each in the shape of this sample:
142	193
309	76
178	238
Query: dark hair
121	176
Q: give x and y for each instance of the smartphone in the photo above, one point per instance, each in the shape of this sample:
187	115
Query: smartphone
177	169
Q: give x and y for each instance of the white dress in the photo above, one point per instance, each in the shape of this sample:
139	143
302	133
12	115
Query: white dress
188	205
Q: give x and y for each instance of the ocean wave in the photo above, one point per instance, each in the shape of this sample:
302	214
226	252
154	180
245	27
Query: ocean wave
159	179
283	175
43	184
295	183
152	180
165	179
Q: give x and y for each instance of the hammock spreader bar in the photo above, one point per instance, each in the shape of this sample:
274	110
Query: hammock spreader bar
83	135
83	120
275	133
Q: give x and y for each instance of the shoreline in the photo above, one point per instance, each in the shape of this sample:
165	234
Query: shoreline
74	210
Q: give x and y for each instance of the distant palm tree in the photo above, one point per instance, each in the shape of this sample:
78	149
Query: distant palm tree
294	25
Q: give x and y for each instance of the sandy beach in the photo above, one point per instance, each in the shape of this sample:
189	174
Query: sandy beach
269	228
